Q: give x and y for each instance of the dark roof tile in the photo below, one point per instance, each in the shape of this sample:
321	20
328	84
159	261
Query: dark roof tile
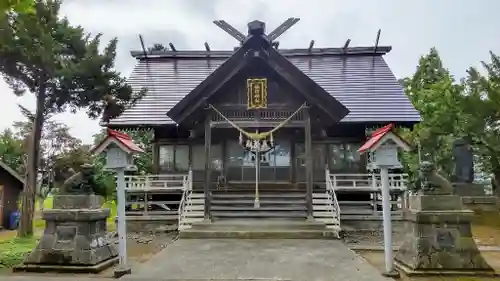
362	82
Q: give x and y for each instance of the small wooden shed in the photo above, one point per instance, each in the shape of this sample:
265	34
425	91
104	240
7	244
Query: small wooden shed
11	185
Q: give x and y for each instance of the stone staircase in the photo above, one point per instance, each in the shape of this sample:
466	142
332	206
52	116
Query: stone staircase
282	214
273	204
278	228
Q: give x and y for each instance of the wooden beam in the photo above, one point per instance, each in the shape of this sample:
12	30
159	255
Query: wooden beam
376	45
309	163
273	35
208	166
141	39
222	24
311	46
172	47
346	45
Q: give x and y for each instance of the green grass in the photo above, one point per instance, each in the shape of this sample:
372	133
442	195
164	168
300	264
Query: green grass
13	251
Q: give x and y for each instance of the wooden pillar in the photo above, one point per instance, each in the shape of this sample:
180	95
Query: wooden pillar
309	163
156	159
206	188
293	159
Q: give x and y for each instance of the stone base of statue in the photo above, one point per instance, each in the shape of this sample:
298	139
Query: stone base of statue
468	189
439	239
474	197
74	239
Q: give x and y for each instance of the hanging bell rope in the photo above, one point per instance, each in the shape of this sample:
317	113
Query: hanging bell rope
257	135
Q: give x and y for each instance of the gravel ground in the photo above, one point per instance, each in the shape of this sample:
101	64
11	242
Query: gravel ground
370	238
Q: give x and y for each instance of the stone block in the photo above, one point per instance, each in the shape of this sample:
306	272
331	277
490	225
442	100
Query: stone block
73	237
481	203
77	202
75	215
435	202
469	189
439	240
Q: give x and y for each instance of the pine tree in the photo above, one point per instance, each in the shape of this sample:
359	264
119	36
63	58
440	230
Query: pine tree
62	67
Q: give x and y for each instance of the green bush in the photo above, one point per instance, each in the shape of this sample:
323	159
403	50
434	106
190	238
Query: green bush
13	251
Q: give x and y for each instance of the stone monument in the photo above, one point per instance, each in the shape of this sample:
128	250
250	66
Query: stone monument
75	237
463	156
439	239
473	194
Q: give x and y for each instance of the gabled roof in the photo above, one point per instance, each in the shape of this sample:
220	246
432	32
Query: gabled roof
380	136
357	77
12	172
253	49
122	140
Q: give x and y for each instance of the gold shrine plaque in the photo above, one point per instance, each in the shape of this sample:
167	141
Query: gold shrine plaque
257	93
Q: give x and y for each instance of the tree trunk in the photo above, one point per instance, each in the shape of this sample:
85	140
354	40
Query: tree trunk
28	195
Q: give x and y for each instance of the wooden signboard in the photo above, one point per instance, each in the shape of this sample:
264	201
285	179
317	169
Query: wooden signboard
257	93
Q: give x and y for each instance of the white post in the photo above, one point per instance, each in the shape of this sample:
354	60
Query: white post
122	230
386	212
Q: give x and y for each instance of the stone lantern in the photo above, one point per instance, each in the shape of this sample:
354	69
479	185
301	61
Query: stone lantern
120	150
384	145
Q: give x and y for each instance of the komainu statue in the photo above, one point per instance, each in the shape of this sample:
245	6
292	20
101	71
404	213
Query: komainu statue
431	180
82	182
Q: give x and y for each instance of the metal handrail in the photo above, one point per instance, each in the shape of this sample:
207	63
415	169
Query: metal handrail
332	196
187	189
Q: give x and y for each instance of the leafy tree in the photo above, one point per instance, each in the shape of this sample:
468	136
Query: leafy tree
62	66
18	6
12	150
481	110
437	97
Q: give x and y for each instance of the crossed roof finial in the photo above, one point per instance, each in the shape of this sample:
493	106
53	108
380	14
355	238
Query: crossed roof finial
256	28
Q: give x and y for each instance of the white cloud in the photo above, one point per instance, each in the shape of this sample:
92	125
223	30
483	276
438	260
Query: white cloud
463	31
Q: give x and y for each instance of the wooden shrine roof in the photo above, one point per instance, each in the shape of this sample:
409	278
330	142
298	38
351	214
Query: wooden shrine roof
358	77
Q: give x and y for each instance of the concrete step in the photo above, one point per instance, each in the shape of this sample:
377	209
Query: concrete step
261	208
194	207
260	224
283	196
194	213
321	195
197	195
192	220
327	221
323	214
258	214
259	234
251	201
322	208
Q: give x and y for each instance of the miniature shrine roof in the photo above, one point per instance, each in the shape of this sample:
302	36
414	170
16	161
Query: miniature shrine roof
378	135
124	141
358	77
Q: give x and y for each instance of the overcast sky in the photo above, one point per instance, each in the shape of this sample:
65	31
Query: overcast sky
463	32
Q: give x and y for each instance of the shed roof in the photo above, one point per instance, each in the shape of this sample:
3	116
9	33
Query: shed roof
12	172
358	77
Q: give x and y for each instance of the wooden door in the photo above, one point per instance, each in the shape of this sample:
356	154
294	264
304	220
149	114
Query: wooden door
2	202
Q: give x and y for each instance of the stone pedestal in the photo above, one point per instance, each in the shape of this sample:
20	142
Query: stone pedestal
74	238
439	239
474	197
469	189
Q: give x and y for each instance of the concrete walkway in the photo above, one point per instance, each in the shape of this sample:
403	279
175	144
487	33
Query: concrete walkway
231	259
